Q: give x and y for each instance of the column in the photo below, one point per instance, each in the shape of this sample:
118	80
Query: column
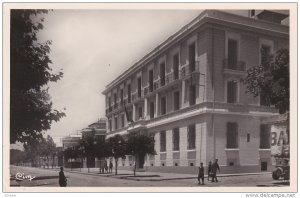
156	105
169	147
133	112
183	146
199	144
183	94
145	108
157	149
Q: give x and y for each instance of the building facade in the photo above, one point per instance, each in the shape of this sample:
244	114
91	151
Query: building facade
187	93
96	131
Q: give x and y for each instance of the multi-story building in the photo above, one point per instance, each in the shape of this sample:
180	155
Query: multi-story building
96	131
187	93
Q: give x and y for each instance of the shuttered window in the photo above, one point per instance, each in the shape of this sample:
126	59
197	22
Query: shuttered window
191	137
232	135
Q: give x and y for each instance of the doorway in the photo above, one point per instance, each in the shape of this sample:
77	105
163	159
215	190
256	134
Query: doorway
141	161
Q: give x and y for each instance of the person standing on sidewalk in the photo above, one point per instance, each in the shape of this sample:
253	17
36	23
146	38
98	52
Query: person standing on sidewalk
201	174
209	172
62	178
110	166
214	168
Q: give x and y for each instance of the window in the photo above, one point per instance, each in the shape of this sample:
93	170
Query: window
121	96
176	139
176	66
162	74
232	135
115	100
129	93
252	13
109	125
130	115
162	141
191	137
192	98
232	91
264	166
139	87
116	123
264	100
248	137
150	80
109	103
264	136
122	120
151	109
176	100
140	112
192	55
232	53
265	53
163	105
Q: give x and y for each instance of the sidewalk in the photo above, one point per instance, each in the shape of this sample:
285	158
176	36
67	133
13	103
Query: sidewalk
149	176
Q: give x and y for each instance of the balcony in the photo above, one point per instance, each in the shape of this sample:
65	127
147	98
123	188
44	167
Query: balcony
187	72
234	66
137	96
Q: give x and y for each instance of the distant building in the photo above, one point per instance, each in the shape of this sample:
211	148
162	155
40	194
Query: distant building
187	93
71	141
96	131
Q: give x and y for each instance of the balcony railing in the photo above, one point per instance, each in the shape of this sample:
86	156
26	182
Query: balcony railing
137	96
186	71
234	65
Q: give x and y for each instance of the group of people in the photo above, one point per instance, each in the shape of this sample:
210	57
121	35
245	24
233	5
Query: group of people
104	168
211	172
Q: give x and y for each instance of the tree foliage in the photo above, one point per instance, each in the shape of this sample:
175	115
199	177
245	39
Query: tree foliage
31	110
271	79
42	147
140	145
118	149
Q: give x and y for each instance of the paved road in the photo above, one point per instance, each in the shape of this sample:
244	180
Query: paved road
50	178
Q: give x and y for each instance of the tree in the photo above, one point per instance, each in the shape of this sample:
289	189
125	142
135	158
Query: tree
271	80
34	149
117	149
102	149
139	145
50	149
16	156
31	110
88	143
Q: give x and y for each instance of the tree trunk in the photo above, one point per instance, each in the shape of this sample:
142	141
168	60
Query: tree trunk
134	169
116	166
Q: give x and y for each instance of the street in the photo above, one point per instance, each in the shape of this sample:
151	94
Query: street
49	177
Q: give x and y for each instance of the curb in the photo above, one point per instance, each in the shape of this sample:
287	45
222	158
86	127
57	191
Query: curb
163	179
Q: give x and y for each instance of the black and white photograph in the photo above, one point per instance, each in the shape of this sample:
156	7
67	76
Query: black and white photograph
169	97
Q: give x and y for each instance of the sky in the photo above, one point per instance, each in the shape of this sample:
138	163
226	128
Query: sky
93	47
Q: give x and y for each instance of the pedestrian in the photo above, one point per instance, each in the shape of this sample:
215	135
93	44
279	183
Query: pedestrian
214	168
110	167
62	178
209	173
106	168
201	174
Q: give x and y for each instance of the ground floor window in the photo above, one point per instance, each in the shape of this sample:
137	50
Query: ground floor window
232	135
191	133
162	141
264	136
176	139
